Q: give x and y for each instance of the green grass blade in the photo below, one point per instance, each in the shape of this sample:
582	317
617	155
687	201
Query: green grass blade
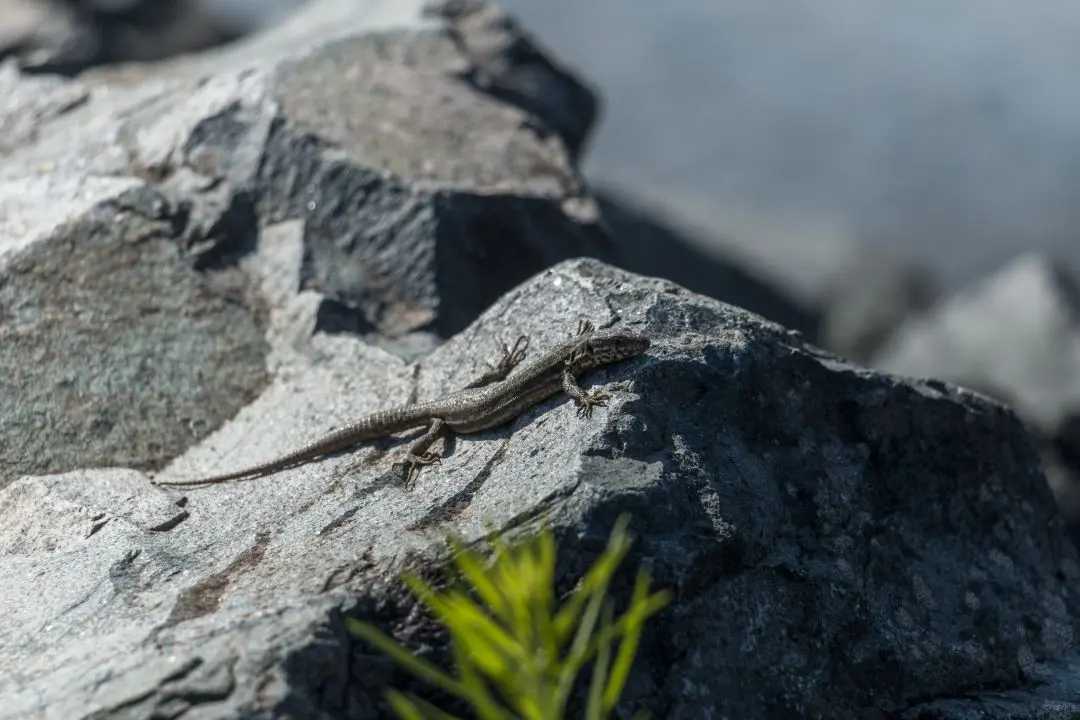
488	644
427	710
404	706
544	600
596	577
471	565
635	620
465	618
479	696
514	644
596	709
582	646
654	604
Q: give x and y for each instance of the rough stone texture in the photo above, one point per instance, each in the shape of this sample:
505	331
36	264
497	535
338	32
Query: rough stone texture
141	211
843	543
28	103
1056	698
422	199
1014	336
302	218
100	323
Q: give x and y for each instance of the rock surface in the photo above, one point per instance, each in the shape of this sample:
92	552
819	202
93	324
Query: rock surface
1016	332
1015	336
283	232
376	160
66	37
841	542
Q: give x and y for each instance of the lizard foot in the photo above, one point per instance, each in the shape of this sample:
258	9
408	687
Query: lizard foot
512	356
415	463
583	327
593	398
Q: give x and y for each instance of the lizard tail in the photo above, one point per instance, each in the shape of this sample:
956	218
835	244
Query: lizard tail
380	424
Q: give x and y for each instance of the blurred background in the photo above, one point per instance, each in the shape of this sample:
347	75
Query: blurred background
896	180
943	132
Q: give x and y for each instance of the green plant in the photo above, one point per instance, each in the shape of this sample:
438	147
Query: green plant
520	644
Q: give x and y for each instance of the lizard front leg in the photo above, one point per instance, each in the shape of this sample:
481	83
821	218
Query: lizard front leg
419	455
586	399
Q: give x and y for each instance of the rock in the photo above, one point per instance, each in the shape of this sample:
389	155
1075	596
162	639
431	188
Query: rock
284	232
113	352
867	297
1016	332
68	37
1014	336
842	542
650	244
345	173
822	280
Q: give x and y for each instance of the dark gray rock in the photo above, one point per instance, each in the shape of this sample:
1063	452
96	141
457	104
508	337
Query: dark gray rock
113	351
509	64
1055	697
1016	337
843	543
421	199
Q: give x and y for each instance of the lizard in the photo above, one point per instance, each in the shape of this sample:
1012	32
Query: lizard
495	398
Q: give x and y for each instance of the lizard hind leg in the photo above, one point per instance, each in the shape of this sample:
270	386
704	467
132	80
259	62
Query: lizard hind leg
415	463
419	455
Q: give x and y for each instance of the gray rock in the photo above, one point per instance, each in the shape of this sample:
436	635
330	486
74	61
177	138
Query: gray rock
114	352
1055	697
284	230
422	198
67	37
868	296
1016	337
651	244
1015	334
843	543
843	294
143	210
